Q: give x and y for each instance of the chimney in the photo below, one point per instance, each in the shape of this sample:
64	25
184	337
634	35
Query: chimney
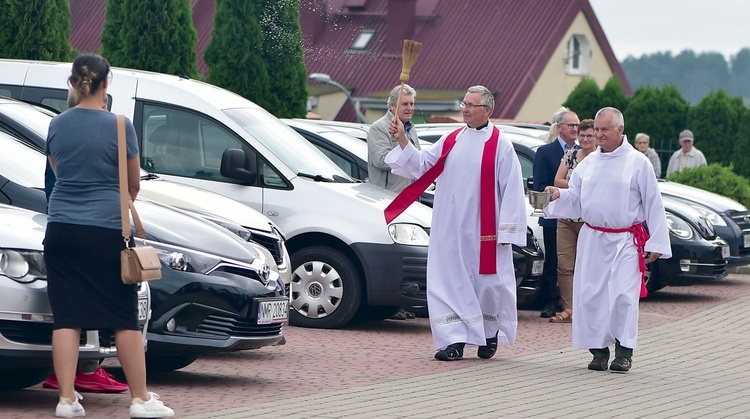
312	19
402	16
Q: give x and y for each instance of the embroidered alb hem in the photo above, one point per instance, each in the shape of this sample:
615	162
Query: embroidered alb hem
512	229
453	318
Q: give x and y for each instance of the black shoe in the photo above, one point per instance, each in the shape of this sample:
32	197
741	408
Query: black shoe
454	352
621	364
488	351
549	311
599	364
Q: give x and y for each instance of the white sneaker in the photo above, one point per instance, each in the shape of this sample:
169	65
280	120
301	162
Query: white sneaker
67	408
152	408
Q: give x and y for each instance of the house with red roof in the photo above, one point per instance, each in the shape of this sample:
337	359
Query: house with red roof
530	53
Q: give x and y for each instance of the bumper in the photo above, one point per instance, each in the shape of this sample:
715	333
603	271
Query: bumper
396	274
196	313
26	332
738	238
694	260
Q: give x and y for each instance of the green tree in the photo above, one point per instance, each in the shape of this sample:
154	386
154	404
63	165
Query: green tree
234	56
284	56
112	47
714	122
740	84
158	36
660	113
36	30
741	156
7	30
586	99
613	95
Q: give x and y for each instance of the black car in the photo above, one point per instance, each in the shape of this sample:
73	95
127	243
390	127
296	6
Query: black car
216	291
350	154
697	252
730	218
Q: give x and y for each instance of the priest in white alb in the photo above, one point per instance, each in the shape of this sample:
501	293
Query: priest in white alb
478	212
615	191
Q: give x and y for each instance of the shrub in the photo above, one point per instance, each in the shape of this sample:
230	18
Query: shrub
717	179
586	99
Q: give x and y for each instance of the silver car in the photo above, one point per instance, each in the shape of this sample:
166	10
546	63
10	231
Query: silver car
25	314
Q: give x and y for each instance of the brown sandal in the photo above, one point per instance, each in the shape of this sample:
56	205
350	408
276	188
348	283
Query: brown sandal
566	316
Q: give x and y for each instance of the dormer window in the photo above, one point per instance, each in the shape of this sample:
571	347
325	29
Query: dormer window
579	56
363	40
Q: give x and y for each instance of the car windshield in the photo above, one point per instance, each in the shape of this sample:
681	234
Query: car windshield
293	150
36	120
352	144
21	164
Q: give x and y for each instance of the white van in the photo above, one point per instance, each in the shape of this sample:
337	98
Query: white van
344	257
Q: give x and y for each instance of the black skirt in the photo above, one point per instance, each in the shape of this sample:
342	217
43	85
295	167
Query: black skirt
83	278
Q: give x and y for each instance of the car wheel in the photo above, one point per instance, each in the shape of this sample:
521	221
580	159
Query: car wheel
26	377
172	362
326	288
653	282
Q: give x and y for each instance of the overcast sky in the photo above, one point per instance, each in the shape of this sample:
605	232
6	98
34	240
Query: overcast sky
637	27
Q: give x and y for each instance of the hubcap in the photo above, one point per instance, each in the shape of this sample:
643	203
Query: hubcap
317	289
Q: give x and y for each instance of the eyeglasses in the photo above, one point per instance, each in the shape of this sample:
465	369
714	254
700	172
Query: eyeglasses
470	105
641	142
571	126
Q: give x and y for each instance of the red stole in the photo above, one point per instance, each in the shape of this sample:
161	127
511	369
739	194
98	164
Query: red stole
487	211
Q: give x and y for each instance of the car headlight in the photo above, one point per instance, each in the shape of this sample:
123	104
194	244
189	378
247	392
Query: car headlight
22	265
714	217
181	259
679	227
410	234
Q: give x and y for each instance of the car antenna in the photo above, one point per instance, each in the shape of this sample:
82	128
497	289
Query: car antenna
183	75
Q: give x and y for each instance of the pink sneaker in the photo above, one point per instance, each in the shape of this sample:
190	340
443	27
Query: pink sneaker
51	382
99	381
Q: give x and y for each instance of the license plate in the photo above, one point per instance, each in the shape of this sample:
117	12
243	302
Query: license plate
746	240
537	268
725	252
142	309
276	311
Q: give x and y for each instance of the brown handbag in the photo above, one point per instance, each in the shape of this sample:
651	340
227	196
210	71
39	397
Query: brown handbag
137	264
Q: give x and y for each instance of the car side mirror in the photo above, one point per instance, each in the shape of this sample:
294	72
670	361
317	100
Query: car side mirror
233	166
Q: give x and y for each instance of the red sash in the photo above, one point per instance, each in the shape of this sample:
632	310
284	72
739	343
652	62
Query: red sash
487	220
640	236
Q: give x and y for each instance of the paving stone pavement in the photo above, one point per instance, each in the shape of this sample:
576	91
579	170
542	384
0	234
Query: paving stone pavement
693	367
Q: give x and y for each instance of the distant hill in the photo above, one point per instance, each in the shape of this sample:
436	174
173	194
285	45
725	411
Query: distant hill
693	74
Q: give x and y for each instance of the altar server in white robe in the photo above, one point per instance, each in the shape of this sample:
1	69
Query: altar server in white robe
471	286
615	190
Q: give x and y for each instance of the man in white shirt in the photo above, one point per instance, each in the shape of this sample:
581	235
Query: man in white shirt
687	157
614	190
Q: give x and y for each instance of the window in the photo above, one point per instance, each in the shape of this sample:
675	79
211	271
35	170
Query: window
579	56
362	41
182	143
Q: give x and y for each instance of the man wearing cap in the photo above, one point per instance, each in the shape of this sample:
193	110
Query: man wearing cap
687	157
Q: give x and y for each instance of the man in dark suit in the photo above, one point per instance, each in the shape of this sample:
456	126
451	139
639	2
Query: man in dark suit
546	163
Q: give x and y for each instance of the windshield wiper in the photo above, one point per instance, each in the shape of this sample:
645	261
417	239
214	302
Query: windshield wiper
149	176
341	179
317	178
